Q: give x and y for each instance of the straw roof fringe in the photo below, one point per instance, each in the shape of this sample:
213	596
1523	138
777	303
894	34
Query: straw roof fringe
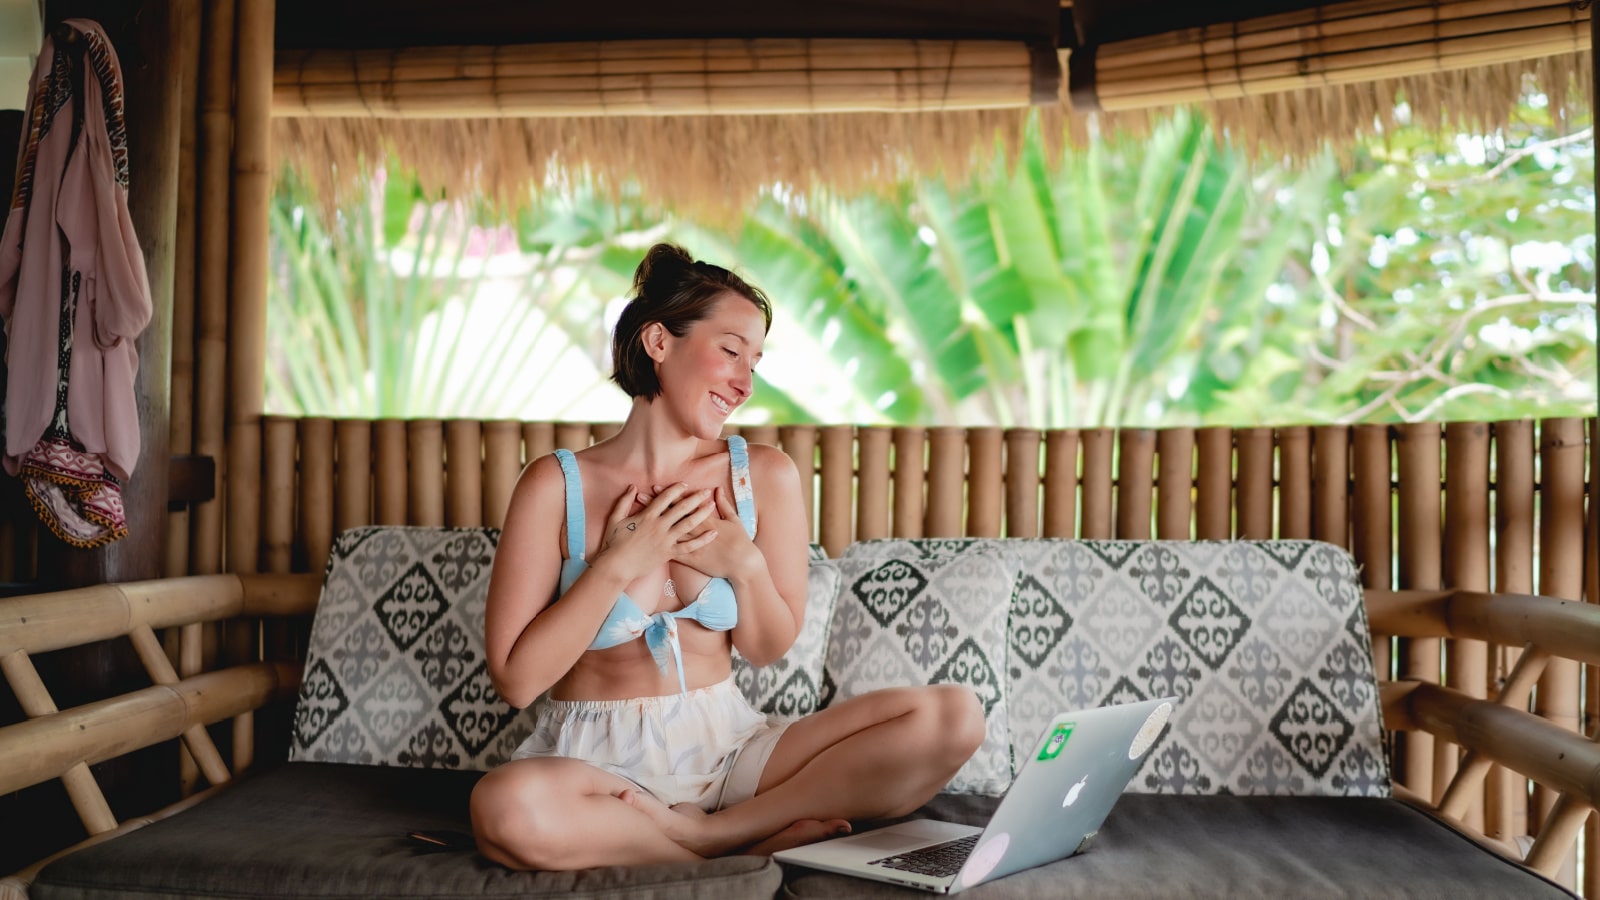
719	163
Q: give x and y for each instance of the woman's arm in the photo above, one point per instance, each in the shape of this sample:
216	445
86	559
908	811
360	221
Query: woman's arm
771	584
532	641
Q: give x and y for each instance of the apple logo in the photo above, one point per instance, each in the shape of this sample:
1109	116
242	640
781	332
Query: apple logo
1072	795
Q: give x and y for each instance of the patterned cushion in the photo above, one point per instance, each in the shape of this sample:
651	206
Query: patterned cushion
816	551
904	620
395	672
1266	642
792	686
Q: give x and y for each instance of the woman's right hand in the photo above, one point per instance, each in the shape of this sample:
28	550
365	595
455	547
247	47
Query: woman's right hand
634	544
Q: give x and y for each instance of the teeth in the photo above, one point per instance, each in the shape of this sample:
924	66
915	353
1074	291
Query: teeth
719	403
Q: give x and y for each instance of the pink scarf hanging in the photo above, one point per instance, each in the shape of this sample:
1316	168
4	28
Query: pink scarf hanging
74	296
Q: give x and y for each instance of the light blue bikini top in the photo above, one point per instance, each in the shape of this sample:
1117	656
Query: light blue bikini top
715	608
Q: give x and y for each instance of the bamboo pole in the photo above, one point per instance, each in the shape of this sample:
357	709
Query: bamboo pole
502	464
1255	483
1330	473
1098	448
1591	589
759	434
277	508
425	472
1061	483
44	748
838	476
600	431
1562	628
36	702
800	443
947	450
1372	525
389	472
211	314
353	497
1294	483
538	439
1175	483
1466	566
195	737
572	436
910	474
1561	554
1135	483
1022	482
316	491
463	460
1553	850
1467	786
247	288
1214	484
180	410
872	484
1419	516
985	481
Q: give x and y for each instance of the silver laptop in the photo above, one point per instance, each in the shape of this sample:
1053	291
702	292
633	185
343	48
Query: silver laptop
1054	808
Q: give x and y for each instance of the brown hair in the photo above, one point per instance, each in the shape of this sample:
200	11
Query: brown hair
676	290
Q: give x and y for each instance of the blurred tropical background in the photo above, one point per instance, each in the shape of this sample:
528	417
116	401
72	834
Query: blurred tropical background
1162	279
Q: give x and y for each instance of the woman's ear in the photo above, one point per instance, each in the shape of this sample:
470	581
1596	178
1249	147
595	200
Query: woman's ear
654	338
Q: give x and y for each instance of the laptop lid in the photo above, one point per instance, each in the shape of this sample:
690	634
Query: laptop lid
1068	784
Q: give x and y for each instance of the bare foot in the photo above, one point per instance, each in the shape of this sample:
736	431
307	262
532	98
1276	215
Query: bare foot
805	831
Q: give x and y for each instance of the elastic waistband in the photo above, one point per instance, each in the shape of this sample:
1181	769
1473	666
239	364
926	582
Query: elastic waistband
721	687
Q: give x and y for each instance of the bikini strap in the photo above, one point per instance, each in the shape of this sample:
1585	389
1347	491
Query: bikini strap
743	494
576	533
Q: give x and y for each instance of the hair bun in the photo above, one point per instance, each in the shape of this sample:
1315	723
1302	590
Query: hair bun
661	272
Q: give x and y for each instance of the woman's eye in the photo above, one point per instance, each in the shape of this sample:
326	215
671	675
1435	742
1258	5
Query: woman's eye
731	354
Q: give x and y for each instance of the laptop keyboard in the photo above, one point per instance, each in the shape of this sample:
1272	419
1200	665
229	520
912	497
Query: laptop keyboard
938	861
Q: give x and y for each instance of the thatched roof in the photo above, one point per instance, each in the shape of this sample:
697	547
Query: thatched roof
705	109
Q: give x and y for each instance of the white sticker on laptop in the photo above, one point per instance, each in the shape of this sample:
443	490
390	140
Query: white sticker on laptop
984	859
1150	730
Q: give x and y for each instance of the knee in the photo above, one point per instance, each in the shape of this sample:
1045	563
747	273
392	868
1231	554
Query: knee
957	720
511	820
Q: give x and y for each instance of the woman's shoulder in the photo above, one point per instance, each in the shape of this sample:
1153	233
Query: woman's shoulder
771	466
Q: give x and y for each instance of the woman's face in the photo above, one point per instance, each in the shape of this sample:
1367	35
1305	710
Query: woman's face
706	374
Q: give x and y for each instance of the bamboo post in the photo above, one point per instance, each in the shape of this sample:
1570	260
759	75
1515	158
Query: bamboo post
180	409
502	464
1419	475
759	434
985	481
1330	484
1561	556
872	483
1174	483
1466	565
1022	482
947	450
1294	483
35	701
352	505
1098	448
1214	484
1135	483
910	474
247	287
1506	805
211	313
572	436
1255	483
316	491
278	493
800	443
425	472
1591	589
195	738
538	439
1372	526
838	475
463	459
1061	483
600	431
389	471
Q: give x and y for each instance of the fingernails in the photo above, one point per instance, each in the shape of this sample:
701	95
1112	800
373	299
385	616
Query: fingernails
842	829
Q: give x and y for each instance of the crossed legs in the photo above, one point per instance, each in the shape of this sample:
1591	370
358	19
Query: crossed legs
878	755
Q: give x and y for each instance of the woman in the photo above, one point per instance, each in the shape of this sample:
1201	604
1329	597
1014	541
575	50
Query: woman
625	575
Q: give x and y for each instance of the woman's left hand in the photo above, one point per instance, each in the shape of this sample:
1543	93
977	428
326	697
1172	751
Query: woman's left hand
731	553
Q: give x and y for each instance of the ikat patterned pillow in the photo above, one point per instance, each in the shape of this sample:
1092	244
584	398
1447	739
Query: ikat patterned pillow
1264	642
792	686
905	620
395	671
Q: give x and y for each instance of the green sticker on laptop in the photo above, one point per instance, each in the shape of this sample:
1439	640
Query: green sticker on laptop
1058	741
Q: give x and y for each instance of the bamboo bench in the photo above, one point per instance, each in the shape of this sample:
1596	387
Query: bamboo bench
62	744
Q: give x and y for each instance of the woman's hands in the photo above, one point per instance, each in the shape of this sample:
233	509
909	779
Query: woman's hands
667	527
732	553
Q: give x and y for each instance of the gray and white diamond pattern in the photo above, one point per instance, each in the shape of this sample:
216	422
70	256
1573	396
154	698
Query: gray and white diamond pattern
792	686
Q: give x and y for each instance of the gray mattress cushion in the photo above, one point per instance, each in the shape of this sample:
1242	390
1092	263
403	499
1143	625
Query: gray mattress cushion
1155	845
324	830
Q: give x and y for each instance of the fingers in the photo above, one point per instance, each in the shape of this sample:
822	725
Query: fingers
690	545
725	507
621	508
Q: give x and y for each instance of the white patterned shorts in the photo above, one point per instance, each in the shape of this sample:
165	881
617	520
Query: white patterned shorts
707	747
